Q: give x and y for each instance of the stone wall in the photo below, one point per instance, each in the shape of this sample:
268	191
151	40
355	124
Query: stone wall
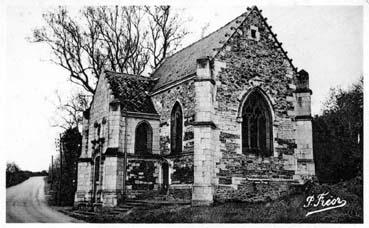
164	102
182	170
84	187
244	64
182	166
143	178
253	191
142	174
99	109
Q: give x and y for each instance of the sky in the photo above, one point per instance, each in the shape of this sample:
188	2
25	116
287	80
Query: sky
326	41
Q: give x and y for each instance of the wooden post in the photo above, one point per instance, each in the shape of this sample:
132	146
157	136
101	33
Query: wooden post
61	168
52	170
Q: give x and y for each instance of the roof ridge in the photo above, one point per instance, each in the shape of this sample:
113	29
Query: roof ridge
249	10
269	27
130	75
197	41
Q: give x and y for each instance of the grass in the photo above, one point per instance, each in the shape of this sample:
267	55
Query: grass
284	210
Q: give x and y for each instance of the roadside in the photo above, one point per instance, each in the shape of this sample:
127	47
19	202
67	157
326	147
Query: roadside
26	203
14	175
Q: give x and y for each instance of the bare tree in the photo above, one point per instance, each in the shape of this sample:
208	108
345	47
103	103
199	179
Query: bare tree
69	113
204	29
124	39
166	33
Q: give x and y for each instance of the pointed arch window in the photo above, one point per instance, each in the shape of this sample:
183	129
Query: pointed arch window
143	139
176	129
257	127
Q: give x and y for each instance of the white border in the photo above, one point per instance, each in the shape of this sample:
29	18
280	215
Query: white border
5	3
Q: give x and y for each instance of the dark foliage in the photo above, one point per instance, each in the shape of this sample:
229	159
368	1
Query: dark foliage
71	149
14	175
338	136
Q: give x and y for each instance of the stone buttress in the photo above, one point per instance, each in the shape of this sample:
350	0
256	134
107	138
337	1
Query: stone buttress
304	138
204	134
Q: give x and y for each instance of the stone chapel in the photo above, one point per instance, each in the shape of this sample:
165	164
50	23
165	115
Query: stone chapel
226	118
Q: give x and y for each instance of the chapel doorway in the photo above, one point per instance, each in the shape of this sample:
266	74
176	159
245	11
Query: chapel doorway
165	171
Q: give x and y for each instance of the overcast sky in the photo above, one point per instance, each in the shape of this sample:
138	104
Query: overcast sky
326	41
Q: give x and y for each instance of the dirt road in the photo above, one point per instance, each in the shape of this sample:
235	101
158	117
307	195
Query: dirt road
26	203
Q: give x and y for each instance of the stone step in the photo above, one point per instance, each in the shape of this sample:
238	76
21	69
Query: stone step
123	207
134	202
86	213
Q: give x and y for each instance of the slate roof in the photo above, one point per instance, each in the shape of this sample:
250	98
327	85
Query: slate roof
183	63
132	91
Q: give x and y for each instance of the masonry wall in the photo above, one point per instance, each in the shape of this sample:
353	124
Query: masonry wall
243	64
143	178
181	167
84	189
99	109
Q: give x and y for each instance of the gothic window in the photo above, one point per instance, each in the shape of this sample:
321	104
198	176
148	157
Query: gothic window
176	129
143	138
257	126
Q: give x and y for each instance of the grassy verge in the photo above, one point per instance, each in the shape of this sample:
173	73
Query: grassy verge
284	210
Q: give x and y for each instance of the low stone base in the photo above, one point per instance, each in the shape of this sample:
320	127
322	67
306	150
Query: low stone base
111	198
202	195
254	191
82	196
200	203
180	192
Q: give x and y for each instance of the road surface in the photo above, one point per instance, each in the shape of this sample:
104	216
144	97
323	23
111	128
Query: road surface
26	202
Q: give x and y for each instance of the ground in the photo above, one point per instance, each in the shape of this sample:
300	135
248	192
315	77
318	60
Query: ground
26	202
284	210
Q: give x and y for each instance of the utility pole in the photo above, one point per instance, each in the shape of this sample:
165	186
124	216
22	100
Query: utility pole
52	171
61	168
57	146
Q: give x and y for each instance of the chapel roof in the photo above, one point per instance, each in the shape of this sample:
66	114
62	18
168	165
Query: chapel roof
183	63
132	91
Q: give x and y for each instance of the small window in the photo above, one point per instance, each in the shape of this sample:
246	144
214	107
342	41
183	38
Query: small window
299	101
253	33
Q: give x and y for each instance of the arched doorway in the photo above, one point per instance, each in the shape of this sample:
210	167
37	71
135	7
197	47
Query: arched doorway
257	127
165	175
176	129
143	138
